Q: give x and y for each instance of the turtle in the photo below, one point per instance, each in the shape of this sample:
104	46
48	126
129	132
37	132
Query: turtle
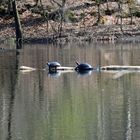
83	67
53	65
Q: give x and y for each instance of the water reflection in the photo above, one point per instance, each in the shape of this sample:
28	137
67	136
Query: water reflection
8	87
36	106
79	73
85	72
54	74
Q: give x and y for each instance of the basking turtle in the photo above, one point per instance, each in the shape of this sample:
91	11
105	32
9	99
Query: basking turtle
53	66
83	67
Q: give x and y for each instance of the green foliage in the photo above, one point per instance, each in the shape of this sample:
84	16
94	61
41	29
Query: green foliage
131	3
70	16
93	13
125	15
2	10
136	13
82	15
49	8
3	2
109	12
98	1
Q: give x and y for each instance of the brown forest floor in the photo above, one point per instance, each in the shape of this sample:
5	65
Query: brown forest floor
35	26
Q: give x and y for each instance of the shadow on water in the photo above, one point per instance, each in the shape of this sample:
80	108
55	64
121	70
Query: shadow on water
9	65
13	81
19	44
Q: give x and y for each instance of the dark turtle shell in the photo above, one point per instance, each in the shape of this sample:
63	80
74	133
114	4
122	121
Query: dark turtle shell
83	67
53	64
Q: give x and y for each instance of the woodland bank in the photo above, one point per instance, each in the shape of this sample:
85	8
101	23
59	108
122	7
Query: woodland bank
79	24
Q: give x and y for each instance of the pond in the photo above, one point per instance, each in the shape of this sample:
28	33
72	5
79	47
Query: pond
69	106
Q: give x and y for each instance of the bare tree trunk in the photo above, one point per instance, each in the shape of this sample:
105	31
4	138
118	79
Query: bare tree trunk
60	28
62	17
99	15
131	16
9	7
120	12
17	25
107	5
36	2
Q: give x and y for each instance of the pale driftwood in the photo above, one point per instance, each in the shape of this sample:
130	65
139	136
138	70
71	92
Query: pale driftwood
25	71
29	69
26	68
65	68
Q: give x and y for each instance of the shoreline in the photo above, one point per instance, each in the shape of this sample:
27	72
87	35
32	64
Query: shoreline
102	33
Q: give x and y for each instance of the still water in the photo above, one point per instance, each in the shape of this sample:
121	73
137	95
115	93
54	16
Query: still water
69	106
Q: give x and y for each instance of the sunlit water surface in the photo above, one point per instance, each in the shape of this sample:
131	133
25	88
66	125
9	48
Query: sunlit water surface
69	106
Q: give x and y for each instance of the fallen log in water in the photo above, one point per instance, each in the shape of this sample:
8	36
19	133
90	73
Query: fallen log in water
65	68
103	68
26	69
29	69
119	68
